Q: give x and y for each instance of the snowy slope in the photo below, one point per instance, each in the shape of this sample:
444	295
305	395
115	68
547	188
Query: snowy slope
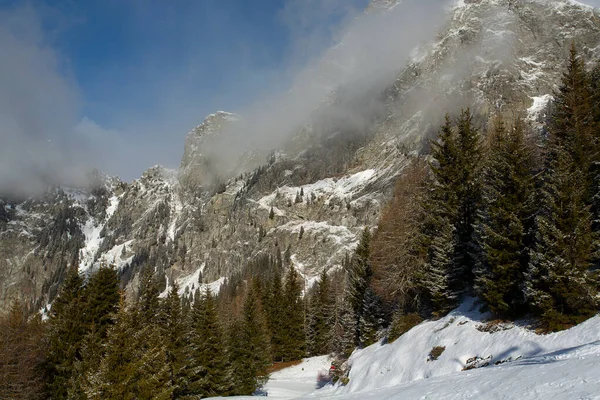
564	365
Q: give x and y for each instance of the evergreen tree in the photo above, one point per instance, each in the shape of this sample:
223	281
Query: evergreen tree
344	327
101	299
274	310
506	221
249	346
438	270
448	236
65	334
294	347
468	192
172	323
207	358
321	317
134	365
559	282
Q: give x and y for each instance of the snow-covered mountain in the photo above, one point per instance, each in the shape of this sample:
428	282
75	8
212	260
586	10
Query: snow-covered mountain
197	225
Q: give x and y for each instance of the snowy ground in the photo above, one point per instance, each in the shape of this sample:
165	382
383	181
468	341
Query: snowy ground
522	364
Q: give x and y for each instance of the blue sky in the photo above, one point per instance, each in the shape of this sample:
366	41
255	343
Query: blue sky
140	74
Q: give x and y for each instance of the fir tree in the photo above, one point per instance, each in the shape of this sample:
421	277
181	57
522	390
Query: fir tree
249	346
559	282
506	221
65	334
171	321
207	358
321	317
101	299
344	327
294	347
274	311
134	365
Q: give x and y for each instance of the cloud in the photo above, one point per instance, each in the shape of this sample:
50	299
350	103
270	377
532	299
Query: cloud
38	107
372	50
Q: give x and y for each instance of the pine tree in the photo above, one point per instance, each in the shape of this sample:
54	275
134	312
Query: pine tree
506	221
321	317
294	347
207	359
249	346
344	327
172	324
448	235
559	282
101	299
65	334
134	365
274	311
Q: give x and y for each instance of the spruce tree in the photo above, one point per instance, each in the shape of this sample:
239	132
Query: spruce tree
101	299
344	327
207	363
359	273
468	191
66	332
274	311
506	221
172	324
321	317
134	365
249	346
294	347
560	284
448	235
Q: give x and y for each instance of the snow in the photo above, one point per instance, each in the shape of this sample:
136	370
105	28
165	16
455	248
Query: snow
561	366
189	283
91	231
298	380
328	188
540	103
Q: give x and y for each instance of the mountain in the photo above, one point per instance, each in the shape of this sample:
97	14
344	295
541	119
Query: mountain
202	223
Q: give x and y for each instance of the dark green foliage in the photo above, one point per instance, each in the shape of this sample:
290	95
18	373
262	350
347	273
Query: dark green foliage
249	346
451	210
560	285
66	331
172	324
101	299
321	317
207	364
506	221
135	363
294	347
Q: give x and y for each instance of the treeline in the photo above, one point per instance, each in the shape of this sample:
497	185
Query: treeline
510	217
97	345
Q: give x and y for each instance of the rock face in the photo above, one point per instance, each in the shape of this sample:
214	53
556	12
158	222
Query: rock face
311	202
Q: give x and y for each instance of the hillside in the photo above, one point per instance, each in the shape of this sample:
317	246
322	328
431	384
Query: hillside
512	362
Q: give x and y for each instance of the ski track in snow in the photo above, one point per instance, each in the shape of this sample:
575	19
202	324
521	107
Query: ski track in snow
559	366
